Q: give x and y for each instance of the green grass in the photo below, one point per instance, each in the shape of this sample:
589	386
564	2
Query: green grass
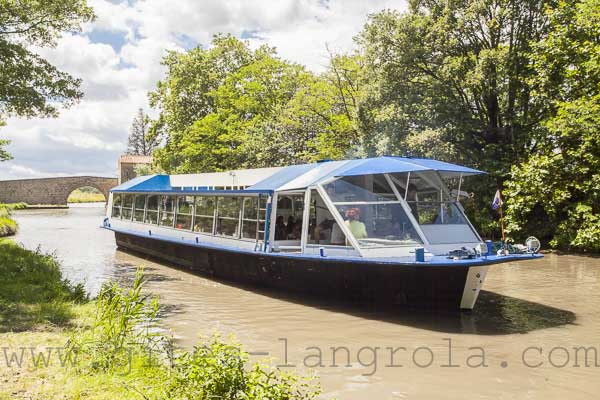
115	346
79	196
32	290
8	226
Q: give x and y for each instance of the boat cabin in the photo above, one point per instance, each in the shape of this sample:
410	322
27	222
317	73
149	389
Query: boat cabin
374	207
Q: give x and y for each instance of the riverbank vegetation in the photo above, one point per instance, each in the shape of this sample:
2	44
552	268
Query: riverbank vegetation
86	195
58	343
509	87
8	226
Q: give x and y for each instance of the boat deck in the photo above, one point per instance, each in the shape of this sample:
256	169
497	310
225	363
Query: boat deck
435	261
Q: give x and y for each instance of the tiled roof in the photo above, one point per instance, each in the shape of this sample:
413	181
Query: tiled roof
135	159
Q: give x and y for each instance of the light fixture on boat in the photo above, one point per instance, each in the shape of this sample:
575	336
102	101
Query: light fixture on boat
533	244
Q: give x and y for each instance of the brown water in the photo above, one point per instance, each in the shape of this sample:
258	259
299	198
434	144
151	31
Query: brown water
531	313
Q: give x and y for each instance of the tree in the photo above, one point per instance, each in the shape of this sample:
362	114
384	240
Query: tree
29	85
229	106
556	192
454	72
140	142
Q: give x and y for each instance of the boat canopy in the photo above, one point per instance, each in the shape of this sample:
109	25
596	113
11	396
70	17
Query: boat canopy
294	177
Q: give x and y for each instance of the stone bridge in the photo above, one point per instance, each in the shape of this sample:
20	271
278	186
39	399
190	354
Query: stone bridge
51	190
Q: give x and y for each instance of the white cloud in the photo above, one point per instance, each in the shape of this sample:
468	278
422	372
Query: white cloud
118	57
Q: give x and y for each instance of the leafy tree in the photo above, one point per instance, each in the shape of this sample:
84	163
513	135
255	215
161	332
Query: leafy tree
140	142
229	107
30	85
454	72
557	190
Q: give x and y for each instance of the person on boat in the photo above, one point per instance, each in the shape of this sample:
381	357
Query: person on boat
358	228
280	231
296	232
289	228
337	236
411	198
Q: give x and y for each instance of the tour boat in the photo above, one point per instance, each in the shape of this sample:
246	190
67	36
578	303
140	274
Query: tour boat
385	230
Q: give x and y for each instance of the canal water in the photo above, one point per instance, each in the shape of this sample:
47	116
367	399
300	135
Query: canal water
535	333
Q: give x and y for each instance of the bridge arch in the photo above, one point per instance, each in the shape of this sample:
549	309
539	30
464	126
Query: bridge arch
53	191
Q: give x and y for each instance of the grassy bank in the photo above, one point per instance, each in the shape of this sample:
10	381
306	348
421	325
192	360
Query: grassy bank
80	196
8	226
62	345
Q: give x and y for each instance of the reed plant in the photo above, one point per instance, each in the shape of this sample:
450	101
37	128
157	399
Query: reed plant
124	340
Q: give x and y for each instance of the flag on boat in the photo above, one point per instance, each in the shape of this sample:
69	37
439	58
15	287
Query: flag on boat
497	203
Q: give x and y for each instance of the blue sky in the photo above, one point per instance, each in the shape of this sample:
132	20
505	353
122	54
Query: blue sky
118	58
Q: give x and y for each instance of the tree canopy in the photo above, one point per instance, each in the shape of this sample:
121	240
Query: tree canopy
229	106
29	85
557	190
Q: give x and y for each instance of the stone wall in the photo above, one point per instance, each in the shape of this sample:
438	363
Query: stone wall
50	190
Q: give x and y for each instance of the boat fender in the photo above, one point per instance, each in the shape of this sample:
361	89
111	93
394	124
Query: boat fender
149	232
419	254
322	251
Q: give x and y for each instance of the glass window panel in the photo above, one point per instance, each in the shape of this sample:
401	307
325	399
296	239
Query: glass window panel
228	207
153	202
360	188
227	227
249	229
185	204
446	213
126	210
183	221
126	213
425	187
205	206
128	201
166	219
167	210
288	223
151	216
116	208
322	228
203	224
379	225
250	207
167	204
140	202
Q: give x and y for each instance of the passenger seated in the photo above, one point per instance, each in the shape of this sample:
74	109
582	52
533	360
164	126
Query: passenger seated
280	231
289	228
358	228
322	232
337	236
296	232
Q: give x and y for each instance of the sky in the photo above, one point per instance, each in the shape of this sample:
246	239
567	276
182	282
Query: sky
118	58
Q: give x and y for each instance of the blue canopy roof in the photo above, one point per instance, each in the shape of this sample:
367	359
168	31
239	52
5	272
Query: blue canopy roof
392	164
305	175
147	183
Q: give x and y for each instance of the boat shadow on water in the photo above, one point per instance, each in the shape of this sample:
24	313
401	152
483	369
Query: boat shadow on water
494	314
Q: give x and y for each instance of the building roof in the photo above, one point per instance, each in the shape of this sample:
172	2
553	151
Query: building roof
135	159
